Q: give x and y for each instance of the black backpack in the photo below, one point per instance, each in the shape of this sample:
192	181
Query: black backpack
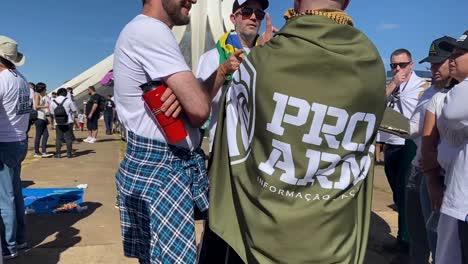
102	103
60	114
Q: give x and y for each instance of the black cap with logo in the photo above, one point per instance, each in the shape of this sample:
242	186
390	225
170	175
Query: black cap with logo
238	4
462	43
438	54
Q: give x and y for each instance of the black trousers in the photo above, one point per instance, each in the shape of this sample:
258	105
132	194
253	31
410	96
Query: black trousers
41	132
397	169
72	125
63	131
108	119
463	234
215	250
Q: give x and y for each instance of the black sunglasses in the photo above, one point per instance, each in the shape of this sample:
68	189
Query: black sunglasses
247	12
401	64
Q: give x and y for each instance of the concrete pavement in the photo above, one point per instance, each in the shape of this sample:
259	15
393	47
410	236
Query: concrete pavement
93	236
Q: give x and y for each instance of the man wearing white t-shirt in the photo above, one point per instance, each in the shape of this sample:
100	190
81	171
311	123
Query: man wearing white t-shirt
453	223
403	94
63	126
247	18
15	106
159	183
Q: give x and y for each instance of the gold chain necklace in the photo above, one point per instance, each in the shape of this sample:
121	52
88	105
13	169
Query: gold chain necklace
339	16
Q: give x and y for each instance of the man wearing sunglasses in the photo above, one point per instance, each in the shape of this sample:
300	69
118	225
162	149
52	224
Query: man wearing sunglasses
292	161
231	48
403	94
247	17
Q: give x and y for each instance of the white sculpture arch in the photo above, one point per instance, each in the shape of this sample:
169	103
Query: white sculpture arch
206	13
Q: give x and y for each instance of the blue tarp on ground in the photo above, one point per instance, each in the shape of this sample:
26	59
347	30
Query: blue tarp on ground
47	200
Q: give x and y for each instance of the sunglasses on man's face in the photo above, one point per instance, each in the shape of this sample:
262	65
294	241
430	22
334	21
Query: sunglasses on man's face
401	64
247	12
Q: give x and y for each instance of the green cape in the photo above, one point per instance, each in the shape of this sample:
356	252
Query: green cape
292	167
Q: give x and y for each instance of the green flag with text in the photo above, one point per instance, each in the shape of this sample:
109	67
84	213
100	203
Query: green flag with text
292	166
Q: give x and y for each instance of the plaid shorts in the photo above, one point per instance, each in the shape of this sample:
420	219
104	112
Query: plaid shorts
158	186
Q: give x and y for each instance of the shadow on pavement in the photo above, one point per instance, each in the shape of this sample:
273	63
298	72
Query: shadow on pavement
379	234
26	184
84	152
107	140
40	227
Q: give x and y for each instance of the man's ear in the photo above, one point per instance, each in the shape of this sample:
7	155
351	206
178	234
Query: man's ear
233	19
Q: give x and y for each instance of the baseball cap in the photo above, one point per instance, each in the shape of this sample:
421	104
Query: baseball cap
437	54
9	51
238	3
462	43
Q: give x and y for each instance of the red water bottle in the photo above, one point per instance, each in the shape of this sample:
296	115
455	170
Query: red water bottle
173	127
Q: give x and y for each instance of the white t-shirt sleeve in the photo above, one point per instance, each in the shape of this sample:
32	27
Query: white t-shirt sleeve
72	106
209	63
455	111
432	105
157	51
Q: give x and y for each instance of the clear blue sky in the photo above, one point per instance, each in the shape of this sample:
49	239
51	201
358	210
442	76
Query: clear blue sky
63	38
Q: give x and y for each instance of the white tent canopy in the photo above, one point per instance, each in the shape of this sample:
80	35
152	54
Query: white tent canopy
212	14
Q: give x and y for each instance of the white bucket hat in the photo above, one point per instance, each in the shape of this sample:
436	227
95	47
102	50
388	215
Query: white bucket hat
9	51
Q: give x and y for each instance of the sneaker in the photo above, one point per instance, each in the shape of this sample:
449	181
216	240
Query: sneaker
92	140
22	246
46	155
37	155
57	156
10	256
87	139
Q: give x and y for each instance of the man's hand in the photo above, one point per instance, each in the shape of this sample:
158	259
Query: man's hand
233	63
89	116
171	106
270	30
399	78
436	193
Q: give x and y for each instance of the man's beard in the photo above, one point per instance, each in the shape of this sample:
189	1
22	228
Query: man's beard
173	11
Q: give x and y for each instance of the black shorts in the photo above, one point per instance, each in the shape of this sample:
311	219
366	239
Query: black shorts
92	123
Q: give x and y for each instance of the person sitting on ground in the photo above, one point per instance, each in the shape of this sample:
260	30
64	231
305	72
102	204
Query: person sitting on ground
63	108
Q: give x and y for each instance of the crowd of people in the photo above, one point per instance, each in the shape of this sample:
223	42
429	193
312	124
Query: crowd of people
43	117
425	171
22	105
284	185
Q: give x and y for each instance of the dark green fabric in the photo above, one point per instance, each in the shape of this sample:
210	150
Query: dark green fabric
335	70
395	123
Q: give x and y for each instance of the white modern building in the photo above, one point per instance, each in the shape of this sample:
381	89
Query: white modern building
209	20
